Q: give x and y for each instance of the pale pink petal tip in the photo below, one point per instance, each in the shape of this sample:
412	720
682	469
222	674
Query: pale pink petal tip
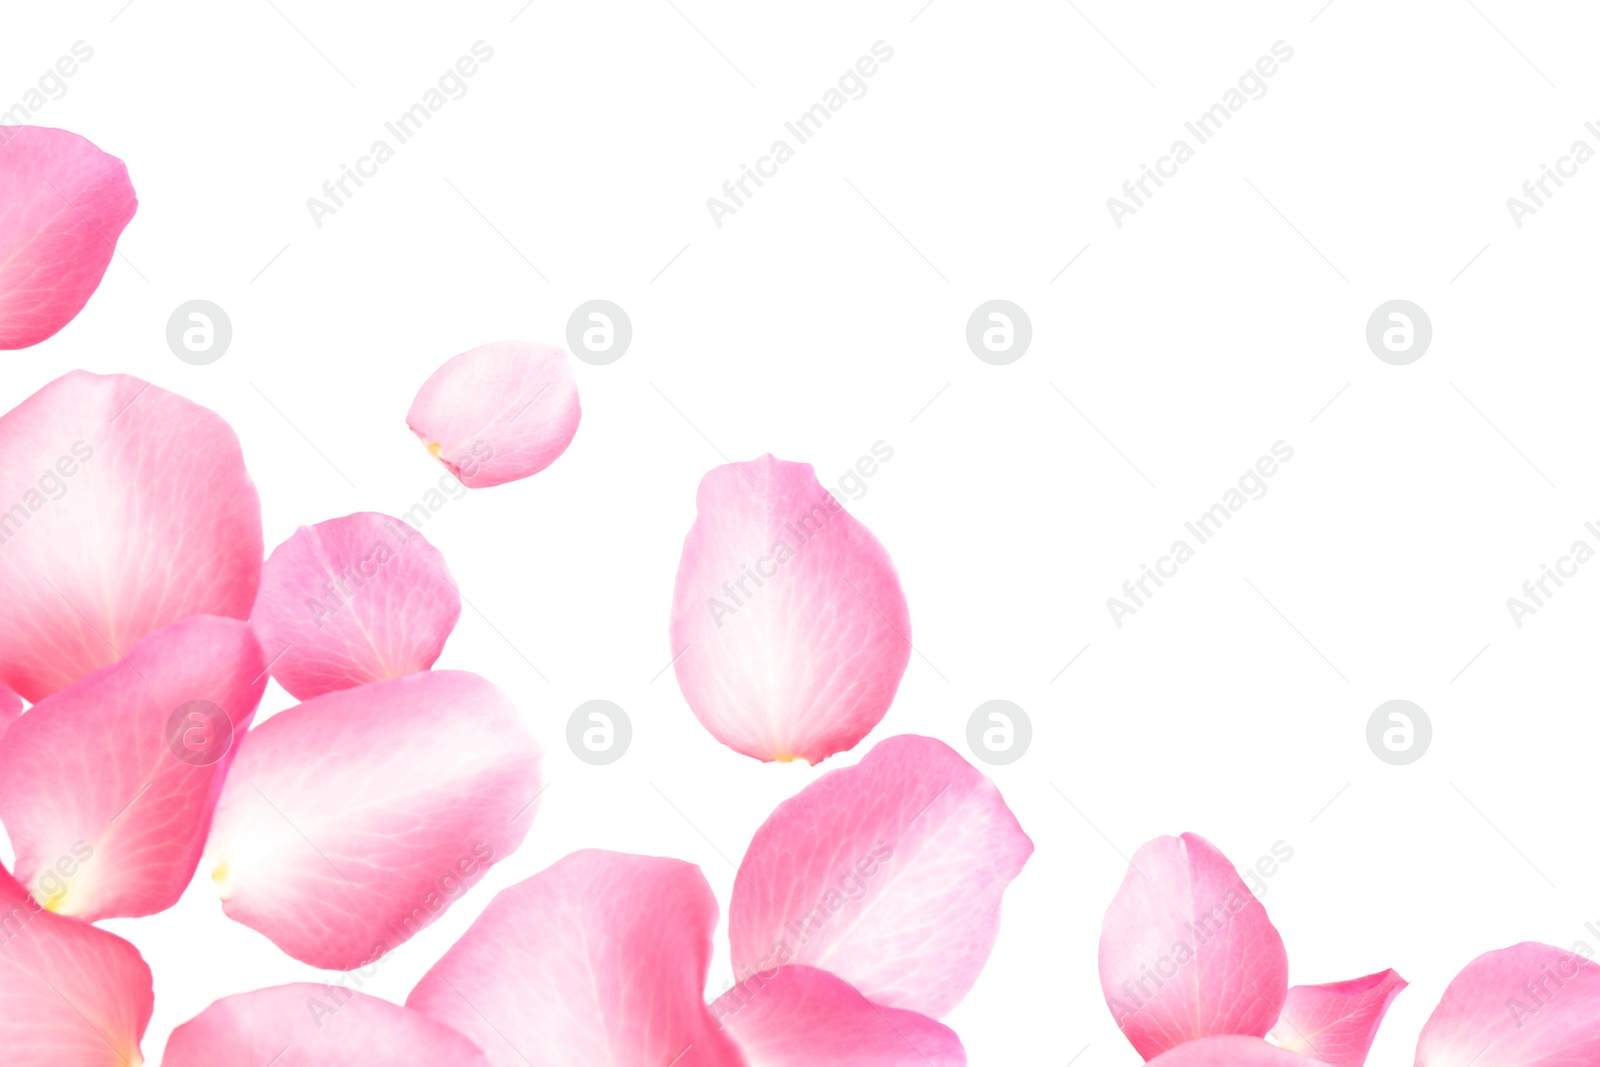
66	203
352	821
309	1025
602	958
888	874
1231	1050
351	601
126	509
1530	1005
1187	951
789	626
1336	1023
499	412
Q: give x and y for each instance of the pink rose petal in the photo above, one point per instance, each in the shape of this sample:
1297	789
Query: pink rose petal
351	601
789	626
63	204
888	874
353	820
10	708
802	1017
1231	1050
1530	1005
601	959
107	787
1187	951
308	1025
123	508
1336	1023
499	412
70	994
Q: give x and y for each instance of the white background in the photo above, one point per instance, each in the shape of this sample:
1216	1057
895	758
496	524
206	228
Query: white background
830	311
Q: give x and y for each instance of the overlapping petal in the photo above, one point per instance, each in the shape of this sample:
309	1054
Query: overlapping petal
1530	1005
888	874
1336	1023
63	205
789	626
123	508
1231	1050
600	959
10	708
353	820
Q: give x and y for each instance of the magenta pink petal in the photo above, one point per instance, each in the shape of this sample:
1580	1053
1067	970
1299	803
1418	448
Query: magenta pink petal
798	1016
499	412
1336	1023
1187	951
351	601
1231	1050
107	787
70	994
1530	1005
601	959
352	821
10	708
789	628
123	508
308	1025
63	204
888	874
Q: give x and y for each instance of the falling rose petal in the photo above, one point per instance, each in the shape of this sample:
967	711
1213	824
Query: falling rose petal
802	1017
499	412
353	820
308	1025
888	874
123	508
66	203
1231	1050
789	626
601	959
351	601
1530	1005
107	787
70	994
1187	951
1336	1023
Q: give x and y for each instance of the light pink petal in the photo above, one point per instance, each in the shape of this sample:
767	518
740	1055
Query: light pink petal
107	787
799	1016
888	874
601	959
353	820
123	508
63	204
309	1025
1187	951
1336	1023
789	626
70	994
1231	1050
499	412
351	601
1530	1005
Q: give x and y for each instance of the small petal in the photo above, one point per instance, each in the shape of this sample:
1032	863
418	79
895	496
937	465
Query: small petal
888	874
66	203
353	820
499	412
1231	1050
1530	1005
1336	1023
1187	951
789	626
601	959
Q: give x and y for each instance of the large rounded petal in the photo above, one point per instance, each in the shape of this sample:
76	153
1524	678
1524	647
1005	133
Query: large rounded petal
1530	1005
1187	951
107	787
789	626
889	874
63	204
351	601
799	1016
601	959
1232	1050
499	412
123	508
69	993
1336	1023
306	1025
352	821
